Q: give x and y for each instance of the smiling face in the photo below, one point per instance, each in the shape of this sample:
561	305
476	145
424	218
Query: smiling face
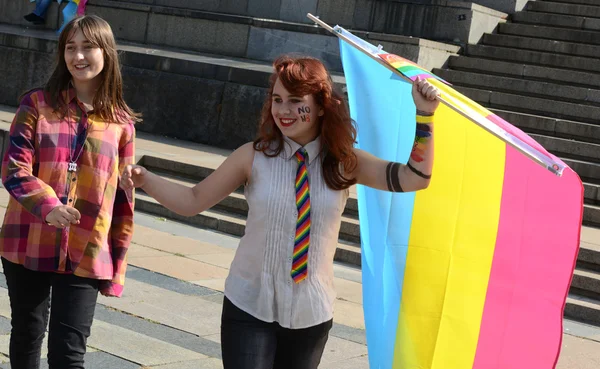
296	116
84	60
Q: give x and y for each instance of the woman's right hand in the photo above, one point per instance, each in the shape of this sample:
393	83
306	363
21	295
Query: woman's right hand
133	176
63	215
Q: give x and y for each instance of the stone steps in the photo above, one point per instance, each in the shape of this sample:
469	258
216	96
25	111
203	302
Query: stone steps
591	215
552	127
583	303
577	2
592	193
434	21
589	252
557	20
532	105
347	251
586	282
257	38
587	171
544	78
191	174
229	216
571	148
239	36
236	202
549	59
544	45
521	86
525	71
223	95
565	7
549	32
583	309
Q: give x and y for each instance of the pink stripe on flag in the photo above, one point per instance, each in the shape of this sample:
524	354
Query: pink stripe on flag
81	7
540	222
517	133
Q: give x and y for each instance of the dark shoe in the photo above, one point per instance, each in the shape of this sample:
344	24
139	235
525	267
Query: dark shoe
34	18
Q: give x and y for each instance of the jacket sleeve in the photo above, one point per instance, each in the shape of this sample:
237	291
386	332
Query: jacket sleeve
121	228
17	166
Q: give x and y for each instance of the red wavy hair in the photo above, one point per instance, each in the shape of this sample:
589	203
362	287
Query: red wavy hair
308	76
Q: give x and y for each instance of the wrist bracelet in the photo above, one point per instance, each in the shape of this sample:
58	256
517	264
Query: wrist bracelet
424	119
418	172
424	113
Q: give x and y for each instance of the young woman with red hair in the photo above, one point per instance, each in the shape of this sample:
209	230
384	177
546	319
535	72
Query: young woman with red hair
279	294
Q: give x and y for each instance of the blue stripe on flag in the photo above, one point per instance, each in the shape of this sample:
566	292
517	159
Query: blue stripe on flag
384	111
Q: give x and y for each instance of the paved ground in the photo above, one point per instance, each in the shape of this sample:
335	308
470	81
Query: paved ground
170	313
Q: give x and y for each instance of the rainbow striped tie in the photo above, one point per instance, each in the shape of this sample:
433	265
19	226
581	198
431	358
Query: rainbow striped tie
302	240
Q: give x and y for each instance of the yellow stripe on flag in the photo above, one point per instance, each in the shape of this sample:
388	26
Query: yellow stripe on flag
451	247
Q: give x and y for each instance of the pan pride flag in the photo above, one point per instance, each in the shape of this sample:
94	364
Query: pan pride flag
474	271
71	10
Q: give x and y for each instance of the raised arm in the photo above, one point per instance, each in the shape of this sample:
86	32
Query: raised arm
188	201
416	173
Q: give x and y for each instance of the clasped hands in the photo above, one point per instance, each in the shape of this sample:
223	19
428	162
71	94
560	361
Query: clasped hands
62	216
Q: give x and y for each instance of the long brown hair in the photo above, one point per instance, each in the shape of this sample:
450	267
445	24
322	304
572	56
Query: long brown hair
308	76
108	101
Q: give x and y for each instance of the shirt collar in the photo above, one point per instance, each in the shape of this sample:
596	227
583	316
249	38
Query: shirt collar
313	148
69	94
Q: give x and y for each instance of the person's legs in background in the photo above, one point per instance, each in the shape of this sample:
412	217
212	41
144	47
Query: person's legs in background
39	14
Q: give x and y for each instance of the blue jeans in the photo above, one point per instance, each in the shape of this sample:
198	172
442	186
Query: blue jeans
41	7
250	343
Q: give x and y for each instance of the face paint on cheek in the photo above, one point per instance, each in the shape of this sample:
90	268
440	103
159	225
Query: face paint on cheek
304	110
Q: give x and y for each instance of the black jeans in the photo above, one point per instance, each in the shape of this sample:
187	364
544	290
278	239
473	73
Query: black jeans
250	343
73	304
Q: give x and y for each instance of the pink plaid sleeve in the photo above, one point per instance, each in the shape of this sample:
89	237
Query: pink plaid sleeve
121	229
17	175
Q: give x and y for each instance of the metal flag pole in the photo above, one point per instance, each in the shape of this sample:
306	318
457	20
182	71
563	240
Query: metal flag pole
492	128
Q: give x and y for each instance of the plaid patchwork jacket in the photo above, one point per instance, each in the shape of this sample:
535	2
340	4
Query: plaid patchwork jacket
35	173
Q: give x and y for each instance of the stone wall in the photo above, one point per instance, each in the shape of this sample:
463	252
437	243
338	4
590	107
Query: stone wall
194	101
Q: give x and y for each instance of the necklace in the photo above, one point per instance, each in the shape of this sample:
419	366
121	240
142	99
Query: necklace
73	157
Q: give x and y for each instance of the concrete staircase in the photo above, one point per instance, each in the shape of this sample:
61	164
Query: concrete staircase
199	74
197	71
541	72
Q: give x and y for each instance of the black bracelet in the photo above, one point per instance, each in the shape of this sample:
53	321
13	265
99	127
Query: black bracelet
391	176
424	113
418	172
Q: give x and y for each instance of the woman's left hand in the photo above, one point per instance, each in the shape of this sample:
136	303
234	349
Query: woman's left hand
425	95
